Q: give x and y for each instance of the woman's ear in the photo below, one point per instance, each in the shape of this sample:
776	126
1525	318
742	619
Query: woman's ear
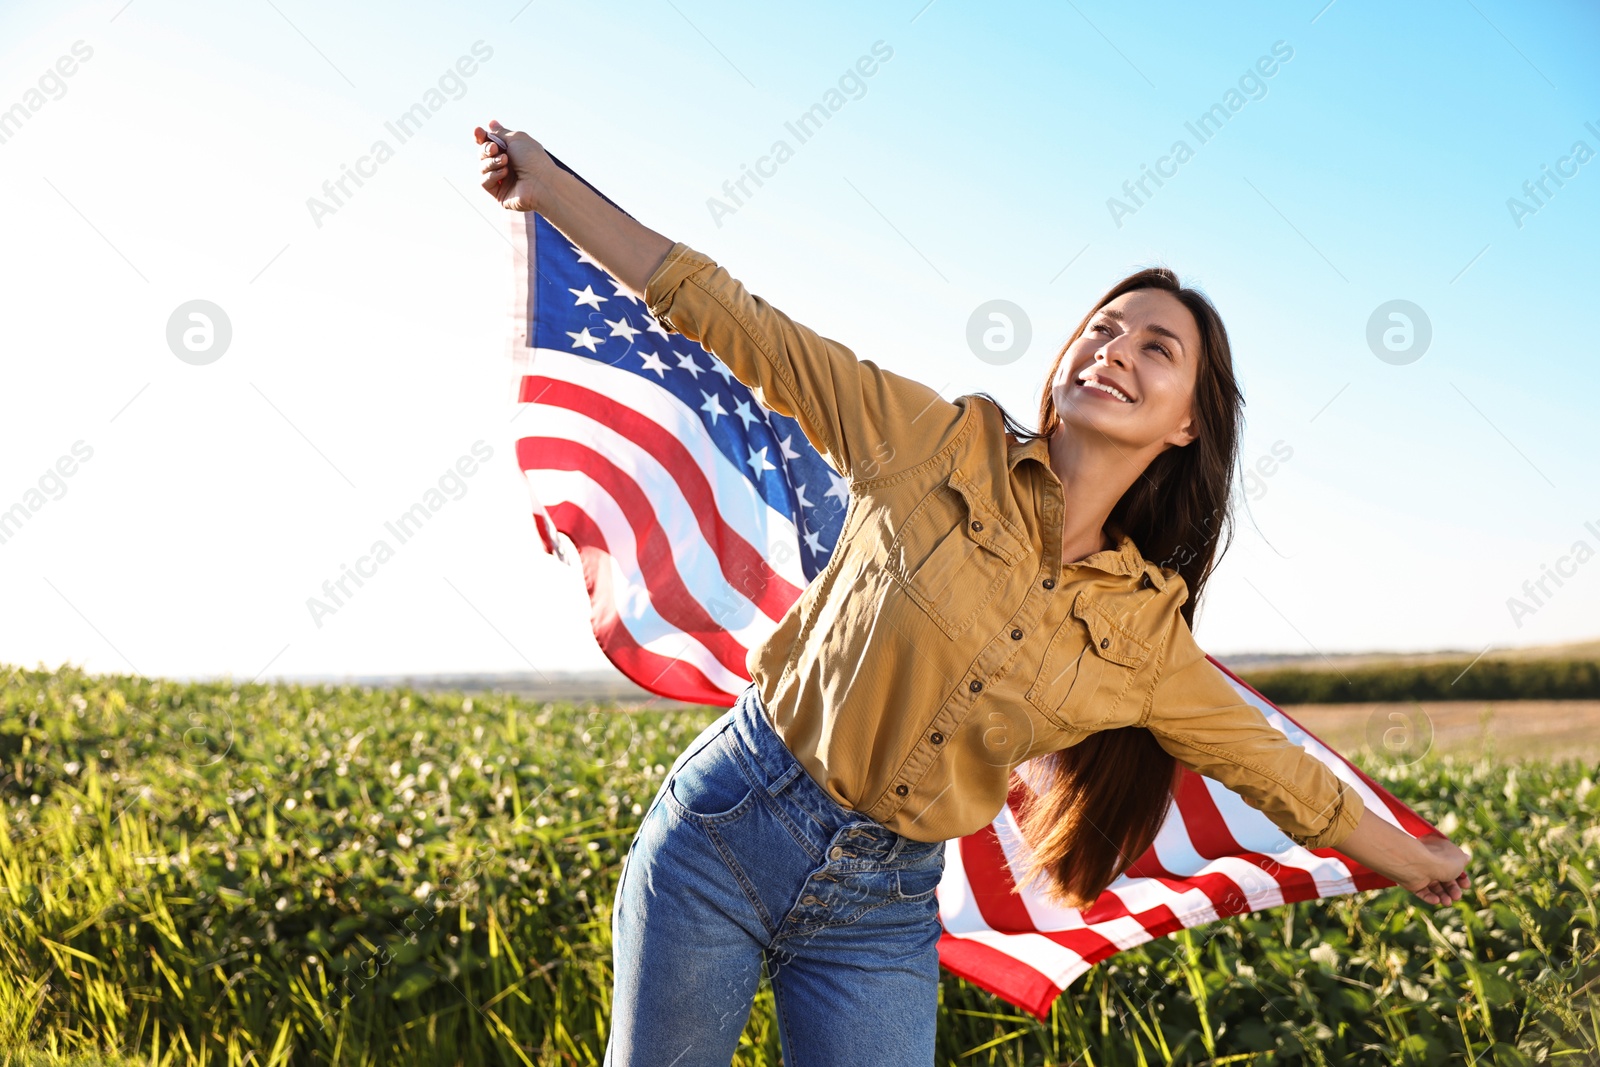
1183	434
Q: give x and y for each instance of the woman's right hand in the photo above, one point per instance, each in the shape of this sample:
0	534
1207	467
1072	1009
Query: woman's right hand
520	181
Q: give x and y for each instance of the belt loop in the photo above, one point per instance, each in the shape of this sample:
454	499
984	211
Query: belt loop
779	784
894	849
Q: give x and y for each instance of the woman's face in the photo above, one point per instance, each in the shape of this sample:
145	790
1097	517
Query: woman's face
1145	345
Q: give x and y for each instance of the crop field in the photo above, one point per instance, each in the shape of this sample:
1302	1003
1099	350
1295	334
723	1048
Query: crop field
277	874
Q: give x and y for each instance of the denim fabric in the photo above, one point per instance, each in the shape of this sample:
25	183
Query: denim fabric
742	861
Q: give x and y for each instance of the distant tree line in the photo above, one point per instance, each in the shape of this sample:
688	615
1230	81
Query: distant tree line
1487	679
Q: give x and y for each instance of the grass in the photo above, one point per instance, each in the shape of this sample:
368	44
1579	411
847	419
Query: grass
274	874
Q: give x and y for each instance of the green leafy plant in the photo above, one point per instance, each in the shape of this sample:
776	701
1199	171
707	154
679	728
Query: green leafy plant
274	874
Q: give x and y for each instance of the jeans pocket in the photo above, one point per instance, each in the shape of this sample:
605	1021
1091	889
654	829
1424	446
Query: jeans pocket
916	881
709	787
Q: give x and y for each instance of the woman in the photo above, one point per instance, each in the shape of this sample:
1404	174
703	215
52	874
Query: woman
989	601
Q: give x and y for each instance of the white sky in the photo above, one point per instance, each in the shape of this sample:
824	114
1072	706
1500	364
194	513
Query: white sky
367	353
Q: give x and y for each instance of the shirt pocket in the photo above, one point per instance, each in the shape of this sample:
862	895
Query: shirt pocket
954	552
1089	670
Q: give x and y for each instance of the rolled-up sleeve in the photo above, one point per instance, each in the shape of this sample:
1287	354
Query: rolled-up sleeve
866	421
1197	716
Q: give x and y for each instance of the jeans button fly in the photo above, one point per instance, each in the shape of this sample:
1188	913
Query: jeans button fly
808	899
836	852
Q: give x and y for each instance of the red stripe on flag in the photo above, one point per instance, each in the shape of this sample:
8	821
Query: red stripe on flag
744	567
993	883
994	971
989	874
1211	838
547	534
1092	945
666	677
669	596
993	887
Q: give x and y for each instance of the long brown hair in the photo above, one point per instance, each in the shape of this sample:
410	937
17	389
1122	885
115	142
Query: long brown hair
1104	799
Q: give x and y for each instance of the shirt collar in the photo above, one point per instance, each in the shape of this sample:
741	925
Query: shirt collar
1125	559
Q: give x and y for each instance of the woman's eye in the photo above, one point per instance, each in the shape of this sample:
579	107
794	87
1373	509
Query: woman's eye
1158	346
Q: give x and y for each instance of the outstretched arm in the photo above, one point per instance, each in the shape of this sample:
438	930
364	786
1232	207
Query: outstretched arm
1197	716
627	249
866	421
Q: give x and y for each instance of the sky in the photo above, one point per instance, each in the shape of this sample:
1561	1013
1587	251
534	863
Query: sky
182	499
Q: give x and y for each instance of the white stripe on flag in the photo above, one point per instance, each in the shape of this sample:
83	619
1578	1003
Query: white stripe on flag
729	485
632	605
746	513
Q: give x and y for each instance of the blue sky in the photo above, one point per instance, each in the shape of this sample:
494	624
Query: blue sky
1375	164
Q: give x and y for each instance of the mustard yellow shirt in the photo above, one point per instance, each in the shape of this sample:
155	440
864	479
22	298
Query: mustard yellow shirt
946	641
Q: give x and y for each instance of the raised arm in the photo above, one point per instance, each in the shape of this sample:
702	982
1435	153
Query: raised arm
866	421
627	249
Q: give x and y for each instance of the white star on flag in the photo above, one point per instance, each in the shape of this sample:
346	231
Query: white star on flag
758	460
712	406
623	327
618	289
588	296
840	489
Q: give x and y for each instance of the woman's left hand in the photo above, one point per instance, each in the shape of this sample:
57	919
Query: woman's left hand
1441	872
1432	867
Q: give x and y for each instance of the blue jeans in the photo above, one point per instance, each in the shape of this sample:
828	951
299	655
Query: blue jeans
742	860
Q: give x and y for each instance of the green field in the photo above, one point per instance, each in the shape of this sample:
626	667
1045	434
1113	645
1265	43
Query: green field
280	874
1487	679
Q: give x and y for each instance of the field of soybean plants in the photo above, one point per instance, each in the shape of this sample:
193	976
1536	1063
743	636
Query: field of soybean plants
280	874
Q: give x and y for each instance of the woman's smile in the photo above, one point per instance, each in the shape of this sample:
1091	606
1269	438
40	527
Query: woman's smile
1096	386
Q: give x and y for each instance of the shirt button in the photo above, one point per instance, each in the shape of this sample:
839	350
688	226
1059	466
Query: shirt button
1105	642
901	790
1016	635
976	525
1049	583
974	685
936	737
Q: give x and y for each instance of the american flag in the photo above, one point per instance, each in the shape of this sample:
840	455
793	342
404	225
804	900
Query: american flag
699	516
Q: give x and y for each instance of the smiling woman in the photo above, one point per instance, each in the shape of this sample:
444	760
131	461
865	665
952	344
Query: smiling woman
994	599
1141	411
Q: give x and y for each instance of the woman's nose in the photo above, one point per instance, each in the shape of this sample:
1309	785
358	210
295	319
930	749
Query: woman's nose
1114	351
